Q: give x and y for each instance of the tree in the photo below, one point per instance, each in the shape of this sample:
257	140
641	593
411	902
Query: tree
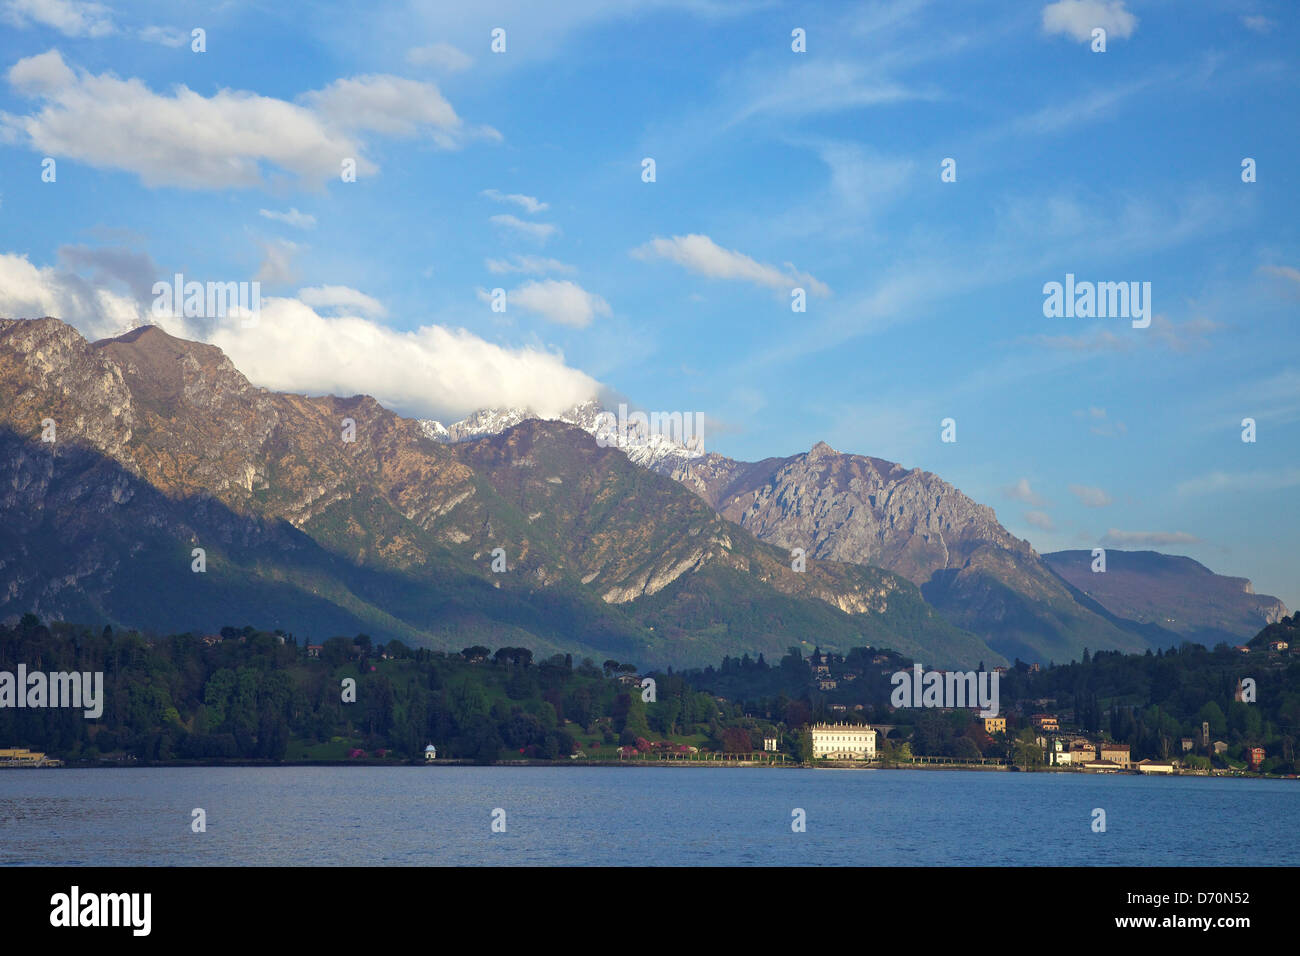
736	740
804	746
1027	754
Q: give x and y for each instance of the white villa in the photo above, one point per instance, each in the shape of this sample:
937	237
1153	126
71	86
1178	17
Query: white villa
431	752
843	741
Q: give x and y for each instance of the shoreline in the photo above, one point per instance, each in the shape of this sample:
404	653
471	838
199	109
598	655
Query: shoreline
704	764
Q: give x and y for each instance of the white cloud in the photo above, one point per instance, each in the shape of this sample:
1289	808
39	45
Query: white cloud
342	298
531	265
434	371
528	203
559	301
1115	538
540	231
73	18
1021	491
393	106
226	140
180	139
31	292
1040	520
442	56
1078	18
701	255
1090	497
293	217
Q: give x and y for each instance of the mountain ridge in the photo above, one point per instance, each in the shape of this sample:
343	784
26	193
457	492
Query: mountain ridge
393	527
866	510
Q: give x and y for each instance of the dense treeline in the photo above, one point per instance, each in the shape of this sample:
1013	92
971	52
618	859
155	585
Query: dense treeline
259	696
255	695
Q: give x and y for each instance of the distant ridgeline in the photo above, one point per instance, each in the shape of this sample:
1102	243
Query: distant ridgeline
248	695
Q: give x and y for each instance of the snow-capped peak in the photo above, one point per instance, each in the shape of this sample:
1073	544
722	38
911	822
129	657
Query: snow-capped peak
649	440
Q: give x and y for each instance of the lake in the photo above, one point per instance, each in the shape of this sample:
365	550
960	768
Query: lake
372	816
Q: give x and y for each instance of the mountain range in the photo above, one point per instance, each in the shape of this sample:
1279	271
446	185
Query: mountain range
862	510
129	464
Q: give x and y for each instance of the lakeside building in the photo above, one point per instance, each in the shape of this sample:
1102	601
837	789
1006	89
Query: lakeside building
1154	766
1255	757
1116	753
769	745
995	725
843	741
431	752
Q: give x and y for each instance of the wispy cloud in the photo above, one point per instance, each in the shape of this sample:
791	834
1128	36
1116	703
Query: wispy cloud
538	231
1115	538
1090	497
1259	24
166	36
528	203
299	220
1235	482
701	255
277	262
823	86
1284	272
1175	336
1021	491
1040	520
442	56
1101	423
532	265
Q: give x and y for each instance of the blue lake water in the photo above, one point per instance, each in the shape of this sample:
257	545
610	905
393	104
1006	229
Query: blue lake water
637	816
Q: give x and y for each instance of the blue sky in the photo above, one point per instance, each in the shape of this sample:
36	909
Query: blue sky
522	170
